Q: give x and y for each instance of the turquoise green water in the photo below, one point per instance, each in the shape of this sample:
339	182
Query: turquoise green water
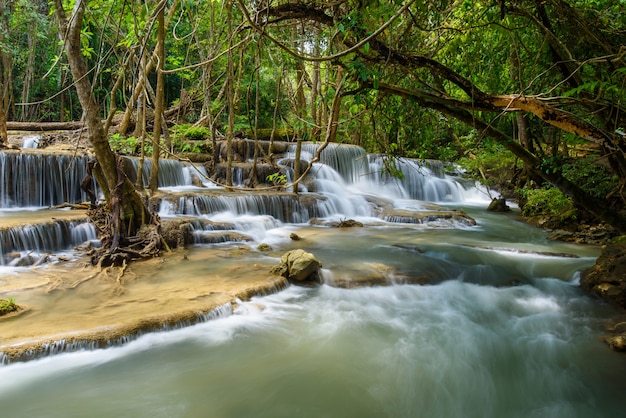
498	332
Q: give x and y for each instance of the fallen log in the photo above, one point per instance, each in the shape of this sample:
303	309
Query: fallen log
44	126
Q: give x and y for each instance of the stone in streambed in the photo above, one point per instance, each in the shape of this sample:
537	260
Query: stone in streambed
298	266
607	278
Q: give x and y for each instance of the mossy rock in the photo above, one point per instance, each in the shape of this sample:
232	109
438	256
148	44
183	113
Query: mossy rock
607	278
7	306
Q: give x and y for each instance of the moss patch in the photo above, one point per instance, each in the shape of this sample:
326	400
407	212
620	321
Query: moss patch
7	306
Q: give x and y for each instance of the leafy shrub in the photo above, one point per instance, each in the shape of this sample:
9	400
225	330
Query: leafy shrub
277	179
491	163
128	146
192	133
589	175
188	138
547	202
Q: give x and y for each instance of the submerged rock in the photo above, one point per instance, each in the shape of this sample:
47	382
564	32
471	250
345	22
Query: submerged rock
298	266
431	217
294	236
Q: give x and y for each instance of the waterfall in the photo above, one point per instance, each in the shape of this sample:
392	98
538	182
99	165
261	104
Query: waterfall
45	237
70	346
350	161
346	172
171	172
420	180
346	183
34	180
282	207
31	141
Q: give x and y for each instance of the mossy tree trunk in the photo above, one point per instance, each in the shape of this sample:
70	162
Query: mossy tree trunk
129	212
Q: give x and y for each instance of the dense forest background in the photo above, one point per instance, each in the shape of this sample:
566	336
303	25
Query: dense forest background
529	95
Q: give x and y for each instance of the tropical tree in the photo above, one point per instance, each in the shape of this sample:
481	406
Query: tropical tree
454	57
127	209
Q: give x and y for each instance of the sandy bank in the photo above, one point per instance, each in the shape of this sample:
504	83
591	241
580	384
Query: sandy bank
74	306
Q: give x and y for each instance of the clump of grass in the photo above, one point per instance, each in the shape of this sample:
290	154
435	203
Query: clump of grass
8	306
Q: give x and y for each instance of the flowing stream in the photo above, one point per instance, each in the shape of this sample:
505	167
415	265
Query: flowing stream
498	328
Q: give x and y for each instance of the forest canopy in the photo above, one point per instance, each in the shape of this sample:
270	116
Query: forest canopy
533	86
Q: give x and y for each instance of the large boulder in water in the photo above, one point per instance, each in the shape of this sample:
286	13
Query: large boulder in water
607	278
298	266
498	205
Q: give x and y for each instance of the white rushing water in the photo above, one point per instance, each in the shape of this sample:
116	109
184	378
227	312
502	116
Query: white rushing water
497	328
450	350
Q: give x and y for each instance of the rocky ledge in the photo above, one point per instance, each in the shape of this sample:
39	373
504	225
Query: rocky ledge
607	280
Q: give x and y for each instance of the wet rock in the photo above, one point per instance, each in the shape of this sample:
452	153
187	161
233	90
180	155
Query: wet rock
617	343
294	236
498	205
177	234
24	261
347	223
218	237
298	266
440	218
263	247
373	274
607	278
585	234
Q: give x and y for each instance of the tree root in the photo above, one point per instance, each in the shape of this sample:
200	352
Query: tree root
148	242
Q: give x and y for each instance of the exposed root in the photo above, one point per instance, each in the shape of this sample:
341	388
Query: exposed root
147	243
120	273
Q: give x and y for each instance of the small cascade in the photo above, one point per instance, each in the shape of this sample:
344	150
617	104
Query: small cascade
350	161
360	173
31	141
34	180
42	238
282	207
421	180
171	172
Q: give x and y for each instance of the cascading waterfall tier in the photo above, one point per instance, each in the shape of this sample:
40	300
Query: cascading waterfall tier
284	207
423	180
37	180
56	235
171	172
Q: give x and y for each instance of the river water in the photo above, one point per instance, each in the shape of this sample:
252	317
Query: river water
500	330
497	327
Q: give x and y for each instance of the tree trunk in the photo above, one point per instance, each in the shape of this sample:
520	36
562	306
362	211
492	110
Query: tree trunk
129	211
6	77
230	97
158	106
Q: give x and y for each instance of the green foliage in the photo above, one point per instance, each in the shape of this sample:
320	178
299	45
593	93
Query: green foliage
8	306
277	179
547	202
591	176
487	159
192	133
128	145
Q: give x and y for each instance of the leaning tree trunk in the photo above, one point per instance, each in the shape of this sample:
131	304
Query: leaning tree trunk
129	212
159	103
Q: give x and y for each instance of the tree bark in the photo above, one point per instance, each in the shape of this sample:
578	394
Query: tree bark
122	198
158	107
6	75
230	97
